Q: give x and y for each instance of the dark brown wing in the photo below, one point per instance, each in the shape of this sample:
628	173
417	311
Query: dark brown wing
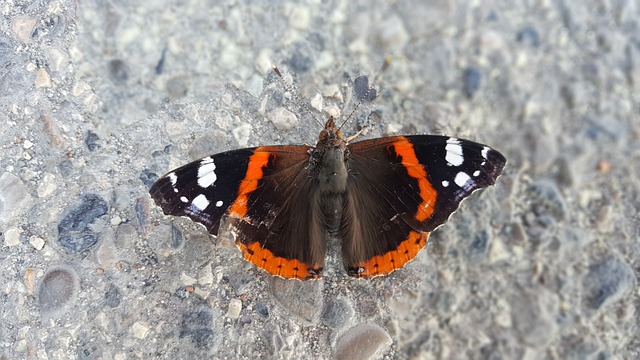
402	188
268	197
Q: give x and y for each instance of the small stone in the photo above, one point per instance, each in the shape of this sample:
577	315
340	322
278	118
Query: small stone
336	313
22	27
534	313
263	63
29	280
299	16
58	289
317	102
529	36
392	34
13	196
471	78
332	91
608	282
283	119
116	220
241	134
187	280
37	242
363	341
113	296
235	306
27	144
12	237
205	277
47	186
43	80
74	229
139	330
57	59
300	299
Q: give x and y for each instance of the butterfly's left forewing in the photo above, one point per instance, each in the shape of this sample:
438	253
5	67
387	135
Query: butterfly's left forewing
402	188
267	196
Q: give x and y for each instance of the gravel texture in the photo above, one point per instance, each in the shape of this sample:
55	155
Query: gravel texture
99	98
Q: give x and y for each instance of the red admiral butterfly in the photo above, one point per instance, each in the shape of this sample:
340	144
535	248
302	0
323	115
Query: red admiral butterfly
382	197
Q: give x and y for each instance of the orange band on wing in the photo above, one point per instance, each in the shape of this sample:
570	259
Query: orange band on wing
395	259
405	150
276	265
257	161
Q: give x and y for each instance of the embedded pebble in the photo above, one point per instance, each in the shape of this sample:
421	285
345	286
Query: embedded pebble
303	299
47	186
336	313
91	141
37	242
235	306
58	288
283	119
299	16
363	341
392	34
534	314
529	36
27	144
471	79
113	296
608	282
29	280
43	80
262	62
74	231
13	196
139	330
57	59
241	134
197	326
12	237
22	27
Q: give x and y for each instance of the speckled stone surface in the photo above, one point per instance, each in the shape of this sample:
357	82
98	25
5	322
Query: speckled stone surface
99	98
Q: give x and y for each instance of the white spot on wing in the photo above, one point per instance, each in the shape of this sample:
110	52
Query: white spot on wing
173	178
445	183
200	202
461	179
207	173
454	152
485	152
184	199
476	173
219	203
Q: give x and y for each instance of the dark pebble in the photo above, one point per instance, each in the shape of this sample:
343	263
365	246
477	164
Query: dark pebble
529	36
471	78
92	141
336	313
113	296
262	309
118	71
148	177
477	250
74	231
58	288
607	282
65	167
362	90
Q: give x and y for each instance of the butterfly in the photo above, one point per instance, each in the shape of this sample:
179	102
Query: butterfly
381	197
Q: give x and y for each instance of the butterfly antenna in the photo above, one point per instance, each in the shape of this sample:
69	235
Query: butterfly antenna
371	91
296	96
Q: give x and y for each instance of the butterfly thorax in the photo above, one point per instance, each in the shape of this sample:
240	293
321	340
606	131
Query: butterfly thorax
328	160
